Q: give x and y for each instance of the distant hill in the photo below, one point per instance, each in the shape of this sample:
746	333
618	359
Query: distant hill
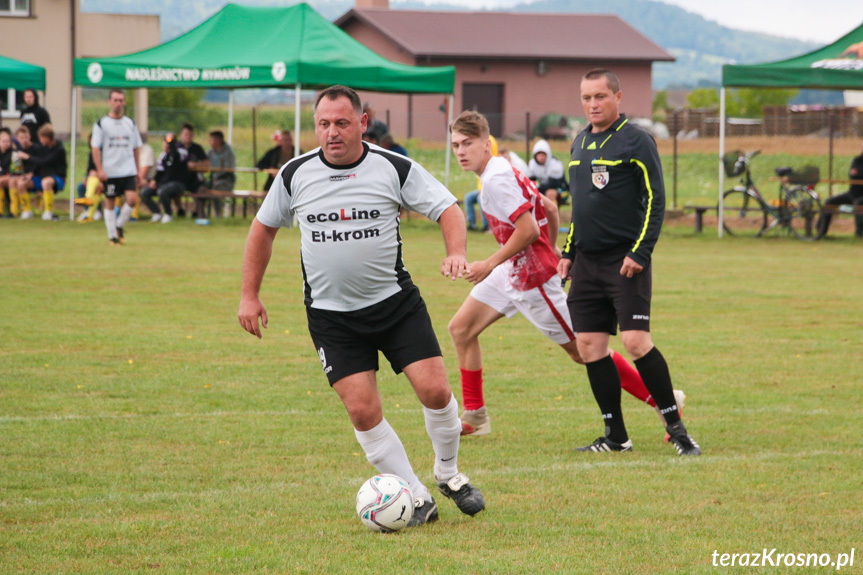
701	46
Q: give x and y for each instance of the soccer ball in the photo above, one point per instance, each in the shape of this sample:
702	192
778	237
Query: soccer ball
385	503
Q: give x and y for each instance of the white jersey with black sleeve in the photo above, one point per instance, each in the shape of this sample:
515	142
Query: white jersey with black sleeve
349	222
117	138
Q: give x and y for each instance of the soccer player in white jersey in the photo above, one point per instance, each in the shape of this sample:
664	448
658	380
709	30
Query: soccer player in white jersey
346	196
521	276
115	144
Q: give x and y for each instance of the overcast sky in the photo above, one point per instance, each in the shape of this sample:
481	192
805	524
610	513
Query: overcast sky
820	21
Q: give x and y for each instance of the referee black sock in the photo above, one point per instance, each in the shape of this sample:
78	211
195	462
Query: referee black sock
657	379
605	383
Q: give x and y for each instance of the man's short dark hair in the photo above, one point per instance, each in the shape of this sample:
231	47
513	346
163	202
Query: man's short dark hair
610	78
189	127
116	91
218	134
338	91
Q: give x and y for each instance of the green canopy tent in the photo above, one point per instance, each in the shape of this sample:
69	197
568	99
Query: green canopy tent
837	66
20	75
262	47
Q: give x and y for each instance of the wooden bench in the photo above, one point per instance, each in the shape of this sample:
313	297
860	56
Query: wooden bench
842	209
245	195
699	215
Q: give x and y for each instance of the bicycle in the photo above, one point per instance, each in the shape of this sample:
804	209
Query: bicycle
746	212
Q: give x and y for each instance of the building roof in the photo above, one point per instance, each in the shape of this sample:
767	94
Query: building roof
511	35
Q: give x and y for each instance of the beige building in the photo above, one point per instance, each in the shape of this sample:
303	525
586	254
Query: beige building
507	63
43	32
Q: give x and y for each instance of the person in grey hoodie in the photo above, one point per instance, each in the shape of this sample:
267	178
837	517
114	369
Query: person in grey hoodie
547	171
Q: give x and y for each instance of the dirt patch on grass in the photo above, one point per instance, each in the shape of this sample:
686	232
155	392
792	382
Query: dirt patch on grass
803	146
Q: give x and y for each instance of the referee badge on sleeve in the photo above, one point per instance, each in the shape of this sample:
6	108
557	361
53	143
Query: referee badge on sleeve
600	176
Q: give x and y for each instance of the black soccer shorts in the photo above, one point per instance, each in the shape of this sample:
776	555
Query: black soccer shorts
600	298
115	187
348	342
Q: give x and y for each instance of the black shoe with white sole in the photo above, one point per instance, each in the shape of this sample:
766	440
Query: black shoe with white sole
604	444
682	441
468	498
424	512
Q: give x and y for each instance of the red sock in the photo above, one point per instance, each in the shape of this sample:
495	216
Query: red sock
471	389
630	379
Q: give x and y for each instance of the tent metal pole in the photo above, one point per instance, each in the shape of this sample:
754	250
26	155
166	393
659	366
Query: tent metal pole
297	89
74	137
231	117
450	102
721	210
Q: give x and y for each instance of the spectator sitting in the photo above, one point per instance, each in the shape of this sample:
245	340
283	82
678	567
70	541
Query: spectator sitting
374	127
90	190
33	116
277	157
388	143
220	155
49	169
198	164
513	159
5	171
853	197
547	171
170	181
146	170
21	183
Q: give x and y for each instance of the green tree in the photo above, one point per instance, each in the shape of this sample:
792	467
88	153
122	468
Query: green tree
750	102
170	108
703	98
741	102
660	105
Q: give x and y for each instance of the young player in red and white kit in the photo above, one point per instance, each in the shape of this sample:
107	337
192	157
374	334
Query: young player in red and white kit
520	277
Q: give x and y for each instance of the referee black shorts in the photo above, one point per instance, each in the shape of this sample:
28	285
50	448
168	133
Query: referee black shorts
600	298
348	342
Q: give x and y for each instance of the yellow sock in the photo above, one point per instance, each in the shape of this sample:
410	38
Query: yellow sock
24	201
13	201
48	200
92	186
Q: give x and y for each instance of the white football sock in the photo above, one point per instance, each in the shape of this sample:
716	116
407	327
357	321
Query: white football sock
444	429
125	214
111	223
385	452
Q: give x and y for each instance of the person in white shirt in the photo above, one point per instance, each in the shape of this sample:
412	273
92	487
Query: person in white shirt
115	145
360	299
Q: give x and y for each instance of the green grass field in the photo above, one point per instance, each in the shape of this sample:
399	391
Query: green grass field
144	432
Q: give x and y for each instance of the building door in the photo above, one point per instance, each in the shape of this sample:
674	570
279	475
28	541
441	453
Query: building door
487	99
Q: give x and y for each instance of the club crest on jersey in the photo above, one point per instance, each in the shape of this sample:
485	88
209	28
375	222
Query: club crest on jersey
600	177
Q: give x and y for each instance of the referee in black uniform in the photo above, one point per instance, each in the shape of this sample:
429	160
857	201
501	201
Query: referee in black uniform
618	201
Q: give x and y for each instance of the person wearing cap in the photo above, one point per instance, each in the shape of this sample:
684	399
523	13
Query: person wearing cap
278	156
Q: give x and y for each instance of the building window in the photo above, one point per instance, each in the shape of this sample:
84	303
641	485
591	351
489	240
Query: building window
14	7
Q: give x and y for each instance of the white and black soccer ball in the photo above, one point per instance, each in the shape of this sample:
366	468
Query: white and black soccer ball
385	503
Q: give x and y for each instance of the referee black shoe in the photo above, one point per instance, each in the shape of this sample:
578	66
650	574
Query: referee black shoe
468	498
424	512
603	444
682	441
121	236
